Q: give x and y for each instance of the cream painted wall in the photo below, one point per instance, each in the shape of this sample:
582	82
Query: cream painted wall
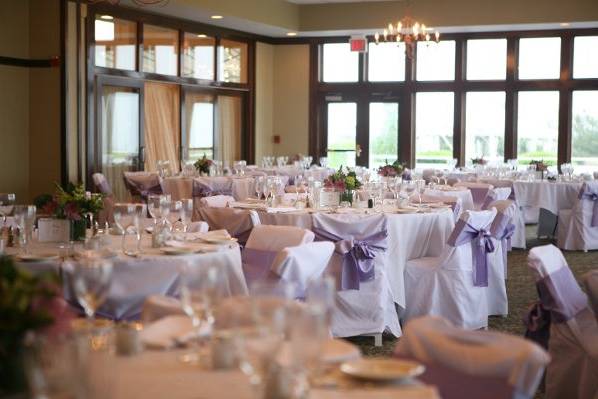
14	100
291	98
264	100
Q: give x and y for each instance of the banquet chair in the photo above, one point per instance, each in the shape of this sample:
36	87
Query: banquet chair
455	284
238	222
364	300
216	201
573	342
504	226
102	185
590	282
472	364
496	194
142	184
577	228
198	227
479	191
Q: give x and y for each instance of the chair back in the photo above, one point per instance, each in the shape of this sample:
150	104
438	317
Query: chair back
210	186
590	282
479	191
277	238
588	196
142	184
238	222
496	194
470	357
198	227
456	203
216	201
100	182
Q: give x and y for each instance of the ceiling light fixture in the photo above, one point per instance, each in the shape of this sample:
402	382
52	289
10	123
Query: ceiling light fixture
565	24
291	33
216	17
107	17
202	36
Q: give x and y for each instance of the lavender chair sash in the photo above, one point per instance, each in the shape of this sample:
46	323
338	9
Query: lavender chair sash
590	193
257	264
456	208
358	255
560	294
490	198
203	190
483	245
503	229
143	188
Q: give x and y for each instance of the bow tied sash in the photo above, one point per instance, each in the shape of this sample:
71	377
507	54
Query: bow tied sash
202	190
503	230
358	255
590	193
144	188
483	245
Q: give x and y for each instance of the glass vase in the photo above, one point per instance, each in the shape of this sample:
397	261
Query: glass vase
78	230
347	196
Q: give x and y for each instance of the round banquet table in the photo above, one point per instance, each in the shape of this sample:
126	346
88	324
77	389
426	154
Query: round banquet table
410	236
548	195
180	187
459	192
135	278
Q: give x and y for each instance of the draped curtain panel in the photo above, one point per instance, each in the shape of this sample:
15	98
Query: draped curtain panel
162	138
228	127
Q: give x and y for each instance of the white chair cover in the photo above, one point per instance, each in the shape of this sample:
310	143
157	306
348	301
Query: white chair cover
141	184
277	238
434	341
198	227
216	201
496	194
479	191
444	286
455	202
518	237
238	222
102	185
369	309
573	343
577	228
590	282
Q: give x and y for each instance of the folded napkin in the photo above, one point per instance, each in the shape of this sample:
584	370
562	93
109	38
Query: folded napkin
211	235
169	332
247	205
192	246
281	209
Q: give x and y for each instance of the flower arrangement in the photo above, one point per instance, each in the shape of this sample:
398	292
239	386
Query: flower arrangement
28	304
203	164
391	170
540	165
72	203
479	161
343	180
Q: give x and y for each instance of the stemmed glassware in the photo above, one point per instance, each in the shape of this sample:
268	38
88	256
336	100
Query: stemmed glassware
127	217
25	220
156	205
186	212
90	279
323	162
201	290
421	188
7	202
174	213
259	186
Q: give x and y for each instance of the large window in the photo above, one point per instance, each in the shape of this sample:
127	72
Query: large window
342	134
384	132
198	56
340	64
115	42
436	61
485	126
232	61
537	126
160	50
584	151
585	57
386	62
487	59
540	58
433	129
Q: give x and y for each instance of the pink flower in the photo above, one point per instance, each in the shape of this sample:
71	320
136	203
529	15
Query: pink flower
71	211
50	207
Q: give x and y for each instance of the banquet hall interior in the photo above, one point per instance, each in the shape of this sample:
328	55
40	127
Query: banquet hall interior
292	199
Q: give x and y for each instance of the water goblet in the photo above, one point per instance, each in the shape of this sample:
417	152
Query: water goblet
7	202
90	278
258	183
127	216
186	212
25	220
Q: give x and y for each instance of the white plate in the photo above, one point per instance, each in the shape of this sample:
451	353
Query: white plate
36	257
177	250
378	369
219	241
407	210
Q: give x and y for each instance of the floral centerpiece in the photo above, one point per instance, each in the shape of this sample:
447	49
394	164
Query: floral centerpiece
73	203
540	165
29	304
479	161
344	181
391	170
203	165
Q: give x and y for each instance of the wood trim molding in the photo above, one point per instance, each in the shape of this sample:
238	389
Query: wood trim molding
53	62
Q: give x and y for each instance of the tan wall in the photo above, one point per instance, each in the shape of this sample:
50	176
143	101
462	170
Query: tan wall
14	100
264	100
291	98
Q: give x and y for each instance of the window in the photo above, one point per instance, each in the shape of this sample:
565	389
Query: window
232	61
485	126
199	126
198	56
433	128
487	59
384	133
340	63
585	57
386	62
436	61
115	42
342	129
537	126
584	151
540	58
160	50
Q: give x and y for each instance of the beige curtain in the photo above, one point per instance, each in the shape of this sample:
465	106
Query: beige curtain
162	138
228	128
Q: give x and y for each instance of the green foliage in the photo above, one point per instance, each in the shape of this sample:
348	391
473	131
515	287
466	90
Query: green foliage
585	136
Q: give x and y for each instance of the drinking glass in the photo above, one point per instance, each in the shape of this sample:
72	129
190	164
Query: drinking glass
259	186
421	188
186	212
90	278
202	287
7	202
127	216
156	204
25	219
323	162
174	213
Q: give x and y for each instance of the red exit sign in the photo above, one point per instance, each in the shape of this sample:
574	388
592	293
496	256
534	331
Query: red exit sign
359	44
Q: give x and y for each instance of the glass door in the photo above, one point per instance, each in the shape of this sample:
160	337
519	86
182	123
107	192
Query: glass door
383	133
341	134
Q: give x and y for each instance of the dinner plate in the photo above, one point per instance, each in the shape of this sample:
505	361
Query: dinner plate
407	210
219	241
379	369
36	257
177	250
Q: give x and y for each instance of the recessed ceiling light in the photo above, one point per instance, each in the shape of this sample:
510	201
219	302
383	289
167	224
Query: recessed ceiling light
565	24
202	35
291	33
216	17
107	17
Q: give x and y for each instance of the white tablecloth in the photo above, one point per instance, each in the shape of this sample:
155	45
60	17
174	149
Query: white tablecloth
458	192
551	196
318	173
182	187
133	279
410	236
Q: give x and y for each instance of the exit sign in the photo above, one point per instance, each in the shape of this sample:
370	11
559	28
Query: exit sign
358	44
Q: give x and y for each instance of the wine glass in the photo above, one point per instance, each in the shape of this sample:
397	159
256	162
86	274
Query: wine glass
259	186
155	205
186	212
421	188
25	220
90	278
127	217
323	162
202	288
174	213
7	202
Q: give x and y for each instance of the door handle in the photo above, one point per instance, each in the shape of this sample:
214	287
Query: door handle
358	150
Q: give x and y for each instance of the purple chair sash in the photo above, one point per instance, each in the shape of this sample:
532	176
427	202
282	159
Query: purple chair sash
143	189
483	245
257	263
490	197
202	190
560	294
502	229
358	255
590	192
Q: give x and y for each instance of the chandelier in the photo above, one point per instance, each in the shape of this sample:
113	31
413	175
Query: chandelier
407	31
137	2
